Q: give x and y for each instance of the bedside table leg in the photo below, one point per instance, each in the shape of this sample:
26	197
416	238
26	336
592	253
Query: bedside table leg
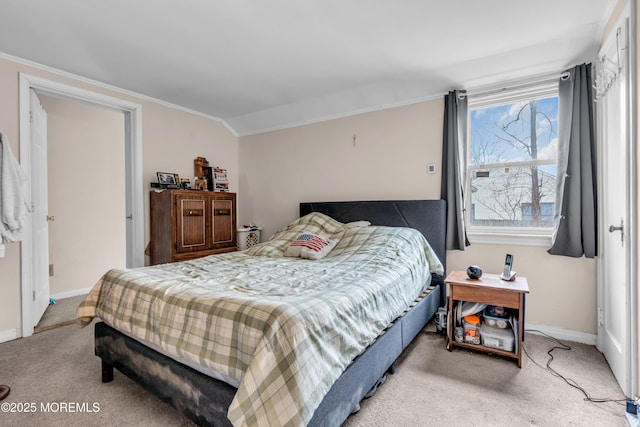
520	330
450	323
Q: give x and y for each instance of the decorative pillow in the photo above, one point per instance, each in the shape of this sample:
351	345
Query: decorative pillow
310	246
315	223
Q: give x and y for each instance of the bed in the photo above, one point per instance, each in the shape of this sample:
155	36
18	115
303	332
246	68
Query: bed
271	378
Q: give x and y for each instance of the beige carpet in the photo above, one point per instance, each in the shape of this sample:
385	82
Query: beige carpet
431	387
63	311
434	387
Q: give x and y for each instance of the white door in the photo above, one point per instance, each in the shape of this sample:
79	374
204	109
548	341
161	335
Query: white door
40	215
614	288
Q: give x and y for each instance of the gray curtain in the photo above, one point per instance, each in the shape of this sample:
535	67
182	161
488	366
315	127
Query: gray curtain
575	209
454	167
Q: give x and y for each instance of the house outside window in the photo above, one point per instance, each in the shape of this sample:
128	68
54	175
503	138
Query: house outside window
511	166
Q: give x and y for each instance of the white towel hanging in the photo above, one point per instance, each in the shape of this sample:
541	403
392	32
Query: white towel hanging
13	208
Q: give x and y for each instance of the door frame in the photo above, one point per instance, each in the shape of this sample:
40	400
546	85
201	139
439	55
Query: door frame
630	388
133	164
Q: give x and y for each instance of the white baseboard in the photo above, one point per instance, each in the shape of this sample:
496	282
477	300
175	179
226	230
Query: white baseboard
562	334
69	294
8	335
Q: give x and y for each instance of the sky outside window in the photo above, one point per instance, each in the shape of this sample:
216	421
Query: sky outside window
513	164
492	143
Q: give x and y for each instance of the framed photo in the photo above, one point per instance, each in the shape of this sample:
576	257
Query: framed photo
168	179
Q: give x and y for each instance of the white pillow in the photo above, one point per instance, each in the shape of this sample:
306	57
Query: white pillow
359	223
310	246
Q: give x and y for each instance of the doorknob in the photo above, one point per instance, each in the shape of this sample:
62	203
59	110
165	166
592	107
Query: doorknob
613	228
51	218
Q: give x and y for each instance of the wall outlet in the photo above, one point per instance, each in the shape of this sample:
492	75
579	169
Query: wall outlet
50	270
431	168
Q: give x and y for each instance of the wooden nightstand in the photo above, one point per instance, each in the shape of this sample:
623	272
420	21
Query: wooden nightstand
490	290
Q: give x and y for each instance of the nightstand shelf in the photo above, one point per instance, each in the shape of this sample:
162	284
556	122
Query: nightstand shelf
490	290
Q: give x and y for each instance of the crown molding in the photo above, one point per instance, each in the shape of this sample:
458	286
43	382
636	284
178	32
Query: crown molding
112	88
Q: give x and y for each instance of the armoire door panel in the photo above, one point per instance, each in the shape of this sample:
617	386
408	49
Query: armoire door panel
222	221
193	225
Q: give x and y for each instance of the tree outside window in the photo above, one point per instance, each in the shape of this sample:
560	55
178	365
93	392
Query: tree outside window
512	164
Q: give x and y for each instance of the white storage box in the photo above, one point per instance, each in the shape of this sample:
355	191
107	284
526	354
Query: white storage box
500	320
493	337
248	236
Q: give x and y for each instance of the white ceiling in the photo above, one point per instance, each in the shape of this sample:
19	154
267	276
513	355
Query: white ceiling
262	65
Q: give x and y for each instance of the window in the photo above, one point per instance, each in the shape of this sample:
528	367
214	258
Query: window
511	167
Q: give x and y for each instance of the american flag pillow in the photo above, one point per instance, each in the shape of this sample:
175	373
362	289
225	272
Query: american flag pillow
310	241
310	246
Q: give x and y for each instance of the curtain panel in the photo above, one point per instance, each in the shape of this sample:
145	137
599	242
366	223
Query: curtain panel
575	217
454	167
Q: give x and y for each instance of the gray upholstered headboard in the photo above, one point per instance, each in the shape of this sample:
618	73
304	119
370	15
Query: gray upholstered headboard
426	216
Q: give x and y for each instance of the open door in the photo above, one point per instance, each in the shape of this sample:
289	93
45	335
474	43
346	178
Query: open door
33	282
40	214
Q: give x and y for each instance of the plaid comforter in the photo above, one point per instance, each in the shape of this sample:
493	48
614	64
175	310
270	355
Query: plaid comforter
280	329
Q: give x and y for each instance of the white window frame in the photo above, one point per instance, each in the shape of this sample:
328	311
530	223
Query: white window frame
525	236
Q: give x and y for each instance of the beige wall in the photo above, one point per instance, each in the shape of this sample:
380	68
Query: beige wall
86	174
172	138
318	162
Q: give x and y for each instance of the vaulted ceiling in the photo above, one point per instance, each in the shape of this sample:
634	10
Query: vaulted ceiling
262	65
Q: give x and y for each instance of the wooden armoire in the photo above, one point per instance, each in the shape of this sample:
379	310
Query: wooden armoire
187	224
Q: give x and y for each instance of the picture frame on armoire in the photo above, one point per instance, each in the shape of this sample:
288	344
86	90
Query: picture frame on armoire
168	180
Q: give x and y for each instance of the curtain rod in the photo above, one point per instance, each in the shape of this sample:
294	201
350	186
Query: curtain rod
488	90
